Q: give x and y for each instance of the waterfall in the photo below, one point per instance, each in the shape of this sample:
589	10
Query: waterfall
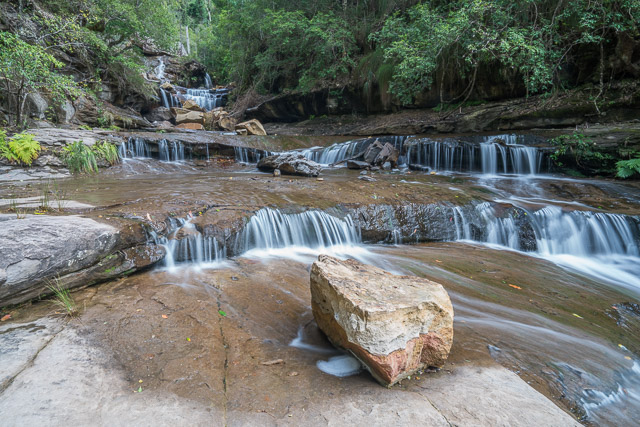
207	99
160	69
207	81
344	150
187	245
492	155
171	151
271	229
134	147
250	155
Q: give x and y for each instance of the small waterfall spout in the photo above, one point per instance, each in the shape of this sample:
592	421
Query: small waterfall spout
187	245
207	81
250	155
345	150
271	229
206	98
171	151
134	147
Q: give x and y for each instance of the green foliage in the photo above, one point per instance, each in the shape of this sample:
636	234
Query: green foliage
107	152
63	299
628	168
80	158
26	69
582	150
22	148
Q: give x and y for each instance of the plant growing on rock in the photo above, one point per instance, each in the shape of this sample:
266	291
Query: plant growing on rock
63	299
80	158
21	148
582	150
107	152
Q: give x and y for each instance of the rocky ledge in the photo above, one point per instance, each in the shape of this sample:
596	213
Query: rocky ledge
395	325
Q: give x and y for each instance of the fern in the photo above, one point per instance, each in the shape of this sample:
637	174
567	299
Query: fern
24	148
106	151
5	151
628	168
80	158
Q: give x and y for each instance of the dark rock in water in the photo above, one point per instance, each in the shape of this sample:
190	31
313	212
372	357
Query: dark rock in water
290	164
357	164
372	151
395	325
388	154
160	114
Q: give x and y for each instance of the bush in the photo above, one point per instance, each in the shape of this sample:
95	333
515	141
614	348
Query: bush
80	158
584	151
21	148
107	152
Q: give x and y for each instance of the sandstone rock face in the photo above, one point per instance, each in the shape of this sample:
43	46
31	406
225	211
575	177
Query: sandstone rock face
190	117
191	126
191	105
395	325
253	127
160	114
290	164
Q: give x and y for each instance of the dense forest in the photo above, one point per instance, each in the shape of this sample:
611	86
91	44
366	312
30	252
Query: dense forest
392	51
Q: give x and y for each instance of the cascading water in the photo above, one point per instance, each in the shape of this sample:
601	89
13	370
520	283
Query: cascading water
169	100
206	98
606	246
250	155
344	150
187	245
160	69
134	147
310	232
171	151
500	154
207	81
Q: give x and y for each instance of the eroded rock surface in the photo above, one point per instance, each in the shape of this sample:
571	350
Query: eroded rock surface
290	164
395	325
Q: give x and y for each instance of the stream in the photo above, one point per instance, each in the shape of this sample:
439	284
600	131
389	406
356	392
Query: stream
543	270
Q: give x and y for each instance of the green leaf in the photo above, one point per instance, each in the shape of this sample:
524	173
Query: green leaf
222	313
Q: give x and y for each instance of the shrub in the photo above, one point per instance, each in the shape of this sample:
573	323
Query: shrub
80	158
582	149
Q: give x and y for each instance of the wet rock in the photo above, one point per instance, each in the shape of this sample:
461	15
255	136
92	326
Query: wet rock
367	178
190	117
191	105
290	164
395	325
168	87
227	123
191	126
357	164
372	151
253	127
160	114
388	154
36	106
276	172
79	251
242	132
49	160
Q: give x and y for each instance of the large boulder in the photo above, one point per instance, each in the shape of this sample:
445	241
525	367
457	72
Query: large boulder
37	250
395	325
290	164
253	127
191	105
190	117
372	151
388	154
160	114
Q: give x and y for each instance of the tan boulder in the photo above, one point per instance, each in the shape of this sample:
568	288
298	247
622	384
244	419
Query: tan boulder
395	325
191	105
192	126
176	110
227	123
190	117
168	87
242	132
253	127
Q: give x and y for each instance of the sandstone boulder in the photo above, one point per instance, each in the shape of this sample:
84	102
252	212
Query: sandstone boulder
227	123
191	126
253	127
190	117
168	87
191	105
395	325
290	164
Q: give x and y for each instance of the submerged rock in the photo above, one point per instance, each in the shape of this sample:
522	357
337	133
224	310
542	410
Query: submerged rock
290	164
395	325
357	164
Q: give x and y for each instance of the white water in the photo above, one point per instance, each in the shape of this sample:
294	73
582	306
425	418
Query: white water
250	155
340	366
160	69
134	147
187	245
171	151
600	245
205	98
499	154
345	150
207	81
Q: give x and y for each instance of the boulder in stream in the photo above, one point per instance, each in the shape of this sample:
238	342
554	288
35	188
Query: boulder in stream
290	164
395	325
190	117
253	127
